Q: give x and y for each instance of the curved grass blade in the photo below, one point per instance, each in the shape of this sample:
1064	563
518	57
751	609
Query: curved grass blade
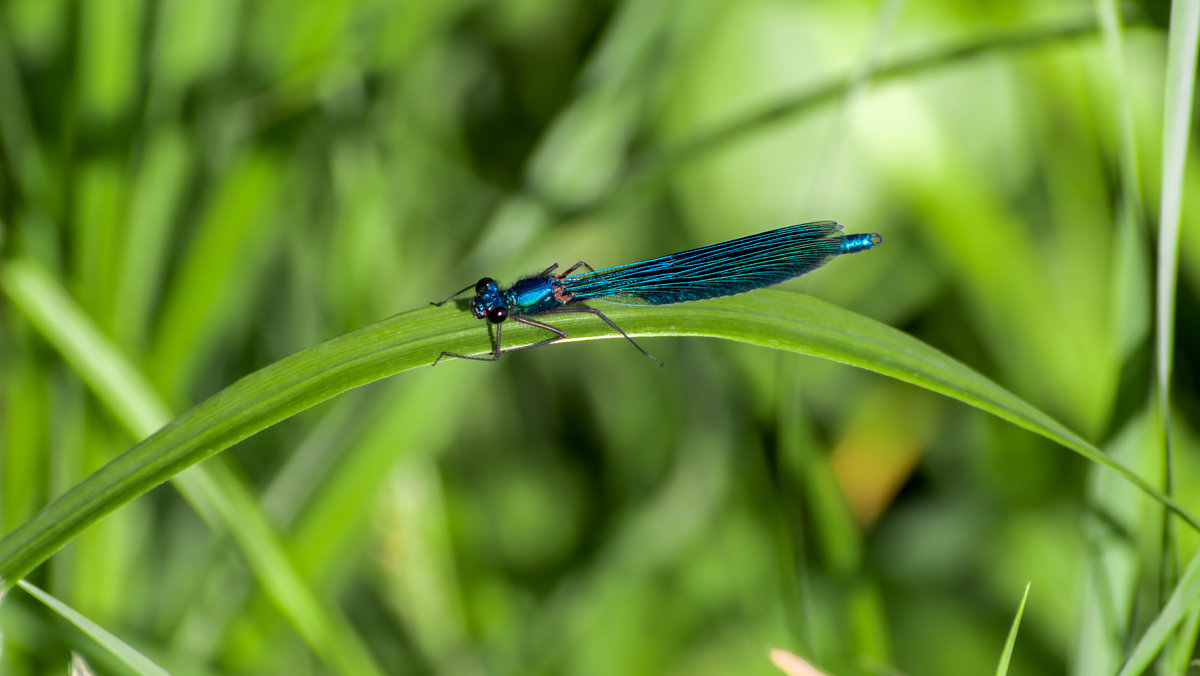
769	317
119	649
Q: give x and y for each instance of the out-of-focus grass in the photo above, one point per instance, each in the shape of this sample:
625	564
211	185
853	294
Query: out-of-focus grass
221	184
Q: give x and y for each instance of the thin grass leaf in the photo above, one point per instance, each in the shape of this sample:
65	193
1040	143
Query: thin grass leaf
769	318
792	664
1177	117
1181	604
1130	291
156	191
213	491
109	641
833	536
1006	657
79	666
1109	584
1179	659
650	171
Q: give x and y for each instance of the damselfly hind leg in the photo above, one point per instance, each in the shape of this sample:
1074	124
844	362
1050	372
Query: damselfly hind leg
573	268
580	264
601	315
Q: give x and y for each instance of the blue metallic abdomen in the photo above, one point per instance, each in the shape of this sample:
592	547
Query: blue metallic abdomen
856	243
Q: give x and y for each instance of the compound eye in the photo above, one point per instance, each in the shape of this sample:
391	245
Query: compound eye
497	315
484	284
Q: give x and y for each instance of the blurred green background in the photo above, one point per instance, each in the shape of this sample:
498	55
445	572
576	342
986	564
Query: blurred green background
219	184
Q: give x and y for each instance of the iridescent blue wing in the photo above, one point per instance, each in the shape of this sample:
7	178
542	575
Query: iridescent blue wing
723	269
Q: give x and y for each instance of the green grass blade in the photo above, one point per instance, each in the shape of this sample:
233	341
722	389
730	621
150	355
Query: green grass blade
1179	88
325	630
1109	585
1130	287
46	304
769	318
21	146
651	171
120	649
1180	659
230	242
1177	116
1005	658
213	491
1181	604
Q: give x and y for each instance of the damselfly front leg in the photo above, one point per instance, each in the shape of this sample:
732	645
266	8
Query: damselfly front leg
559	335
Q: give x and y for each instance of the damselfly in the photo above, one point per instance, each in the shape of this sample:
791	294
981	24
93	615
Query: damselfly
723	269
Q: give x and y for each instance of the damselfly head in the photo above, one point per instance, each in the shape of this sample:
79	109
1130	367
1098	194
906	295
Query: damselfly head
488	301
